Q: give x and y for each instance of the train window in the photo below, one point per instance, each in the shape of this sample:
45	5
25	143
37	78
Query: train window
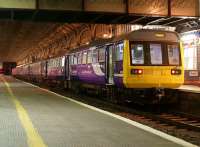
53	63
71	59
84	57
95	56
173	54
79	58
60	61
156	54
137	53
89	57
75	60
63	61
57	62
119	52
102	54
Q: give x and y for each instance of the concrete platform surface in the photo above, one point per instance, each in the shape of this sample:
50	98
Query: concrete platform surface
32	117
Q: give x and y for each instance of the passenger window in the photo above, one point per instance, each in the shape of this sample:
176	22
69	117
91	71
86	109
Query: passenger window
156	54
84	57
89	56
63	61
102	54
75	61
119	52
95	56
137	53
71	58
79	58
173	54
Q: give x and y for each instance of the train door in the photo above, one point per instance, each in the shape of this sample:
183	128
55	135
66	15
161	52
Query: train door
67	76
46	69
109	64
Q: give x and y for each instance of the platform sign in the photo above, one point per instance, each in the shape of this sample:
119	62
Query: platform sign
105	6
185	7
148	7
60	4
21	4
193	73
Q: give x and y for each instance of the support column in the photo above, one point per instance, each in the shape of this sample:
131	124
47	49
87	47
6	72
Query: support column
198	53
169	8
199	8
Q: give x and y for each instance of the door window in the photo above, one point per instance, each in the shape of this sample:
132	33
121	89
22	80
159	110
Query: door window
119	52
156	54
102	54
137	53
173	54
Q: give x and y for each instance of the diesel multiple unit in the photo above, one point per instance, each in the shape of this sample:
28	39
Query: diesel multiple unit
143	62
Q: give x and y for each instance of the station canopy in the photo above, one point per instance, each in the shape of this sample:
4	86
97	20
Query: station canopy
33	24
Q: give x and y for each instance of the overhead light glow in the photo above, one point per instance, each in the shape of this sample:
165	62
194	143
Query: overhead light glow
107	35
188	37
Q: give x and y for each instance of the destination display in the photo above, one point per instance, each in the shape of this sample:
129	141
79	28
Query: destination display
23	4
61	4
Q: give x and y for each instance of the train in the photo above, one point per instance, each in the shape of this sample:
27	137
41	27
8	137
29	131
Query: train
138	66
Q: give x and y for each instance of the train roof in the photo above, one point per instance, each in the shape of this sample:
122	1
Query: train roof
137	35
151	35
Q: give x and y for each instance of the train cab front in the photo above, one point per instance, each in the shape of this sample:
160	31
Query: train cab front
153	64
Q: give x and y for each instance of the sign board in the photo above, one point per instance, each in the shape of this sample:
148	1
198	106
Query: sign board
105	6
61	5
148	7
193	73
184	7
21	4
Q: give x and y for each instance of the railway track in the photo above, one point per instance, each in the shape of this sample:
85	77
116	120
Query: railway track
181	120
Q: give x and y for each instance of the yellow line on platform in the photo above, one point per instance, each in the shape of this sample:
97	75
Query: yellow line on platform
33	137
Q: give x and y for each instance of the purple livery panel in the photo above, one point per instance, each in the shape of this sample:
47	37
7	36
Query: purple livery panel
89	73
118	73
94	73
55	73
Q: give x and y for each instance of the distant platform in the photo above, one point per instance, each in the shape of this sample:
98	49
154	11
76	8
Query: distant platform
195	83
190	88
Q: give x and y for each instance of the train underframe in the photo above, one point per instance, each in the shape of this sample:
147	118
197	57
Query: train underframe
152	96
148	96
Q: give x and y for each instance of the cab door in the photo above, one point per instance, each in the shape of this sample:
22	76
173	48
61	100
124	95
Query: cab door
109	64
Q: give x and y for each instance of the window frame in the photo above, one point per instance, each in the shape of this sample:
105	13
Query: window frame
80	57
180	61
97	55
101	48
84	54
147	56
162	49
115	51
75	56
89	52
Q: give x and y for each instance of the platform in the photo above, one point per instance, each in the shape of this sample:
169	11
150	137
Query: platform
189	88
32	117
